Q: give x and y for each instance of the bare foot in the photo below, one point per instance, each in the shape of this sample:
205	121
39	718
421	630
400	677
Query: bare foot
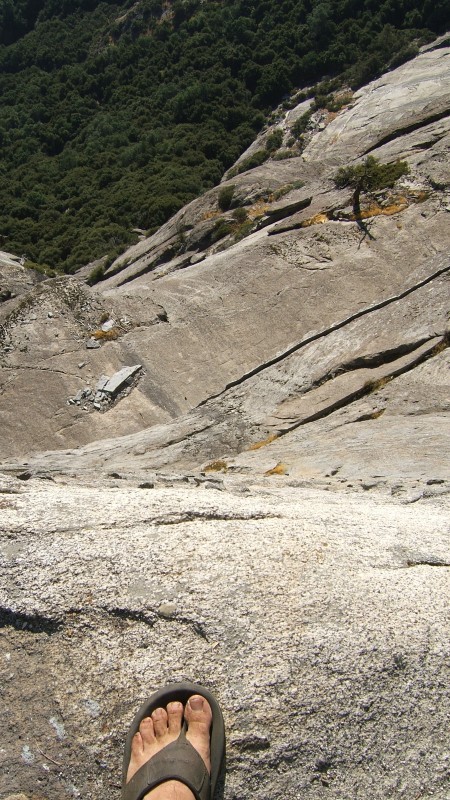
164	727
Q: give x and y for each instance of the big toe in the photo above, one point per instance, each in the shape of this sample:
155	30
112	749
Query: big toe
198	711
198	715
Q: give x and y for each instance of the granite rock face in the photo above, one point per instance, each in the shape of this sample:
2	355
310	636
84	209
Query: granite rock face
317	618
200	316
262	506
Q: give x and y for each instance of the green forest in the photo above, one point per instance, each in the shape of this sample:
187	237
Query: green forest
114	115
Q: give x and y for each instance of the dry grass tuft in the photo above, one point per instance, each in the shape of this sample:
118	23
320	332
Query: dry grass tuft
258	209
419	195
216	466
318	219
257	445
374	386
441	346
375	210
278	469
106	336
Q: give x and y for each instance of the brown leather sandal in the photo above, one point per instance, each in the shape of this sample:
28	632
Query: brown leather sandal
179	760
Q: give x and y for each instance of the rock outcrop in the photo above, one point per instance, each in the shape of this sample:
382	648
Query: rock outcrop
318	618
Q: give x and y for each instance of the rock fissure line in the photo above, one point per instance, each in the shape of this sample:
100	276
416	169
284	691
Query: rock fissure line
176	518
196	626
33	623
166	256
372	361
41	369
368	388
207	516
41	624
73	423
407	129
321	334
133	616
277	214
183	438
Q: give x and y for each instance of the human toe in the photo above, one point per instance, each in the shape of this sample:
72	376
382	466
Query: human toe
147	731
159	718
175	717
198	710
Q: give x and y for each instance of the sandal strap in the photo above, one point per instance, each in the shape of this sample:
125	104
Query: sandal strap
177	761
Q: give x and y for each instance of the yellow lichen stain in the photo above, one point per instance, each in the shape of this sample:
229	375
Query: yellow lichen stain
216	466
258	445
395	208
398	203
378	413
255	211
278	469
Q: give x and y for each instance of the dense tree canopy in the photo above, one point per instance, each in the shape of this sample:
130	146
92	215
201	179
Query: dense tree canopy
114	115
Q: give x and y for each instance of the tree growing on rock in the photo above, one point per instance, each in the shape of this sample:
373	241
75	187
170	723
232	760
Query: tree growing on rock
368	177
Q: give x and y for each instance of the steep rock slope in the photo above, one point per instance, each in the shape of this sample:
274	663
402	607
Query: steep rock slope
199	315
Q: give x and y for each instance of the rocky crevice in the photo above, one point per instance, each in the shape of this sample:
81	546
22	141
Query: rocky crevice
373	361
163	258
33	623
326	331
207	516
397	134
368	388
39	623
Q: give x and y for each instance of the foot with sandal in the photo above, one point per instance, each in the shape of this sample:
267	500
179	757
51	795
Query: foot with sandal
175	746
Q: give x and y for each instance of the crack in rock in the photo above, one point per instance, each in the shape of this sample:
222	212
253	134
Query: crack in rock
368	388
163	258
134	616
34	623
176	518
321	334
36	368
39	623
408	129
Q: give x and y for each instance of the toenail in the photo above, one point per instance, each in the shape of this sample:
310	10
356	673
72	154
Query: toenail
158	712
175	706
196	702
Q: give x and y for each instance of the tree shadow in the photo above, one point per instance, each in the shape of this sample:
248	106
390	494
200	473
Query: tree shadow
357	211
